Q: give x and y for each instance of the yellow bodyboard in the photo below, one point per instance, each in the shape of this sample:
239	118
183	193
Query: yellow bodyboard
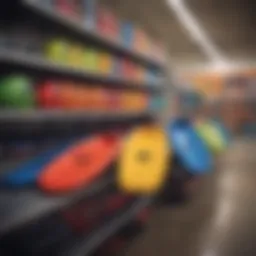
144	159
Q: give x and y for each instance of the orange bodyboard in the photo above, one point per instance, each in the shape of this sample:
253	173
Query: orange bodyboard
80	164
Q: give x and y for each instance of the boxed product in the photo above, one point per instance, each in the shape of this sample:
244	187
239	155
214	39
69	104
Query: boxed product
106	62
70	8
127	34
108	24
91	59
97	98
124	68
152	76
89	13
113	99
117	66
75	55
140	73
56	50
129	69
67	95
140	42
48	94
79	100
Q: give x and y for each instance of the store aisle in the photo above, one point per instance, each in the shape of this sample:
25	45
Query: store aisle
220	221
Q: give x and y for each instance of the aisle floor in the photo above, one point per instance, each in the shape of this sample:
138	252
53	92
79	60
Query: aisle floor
219	221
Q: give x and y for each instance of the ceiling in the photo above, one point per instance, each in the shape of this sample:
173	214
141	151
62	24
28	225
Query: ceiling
230	25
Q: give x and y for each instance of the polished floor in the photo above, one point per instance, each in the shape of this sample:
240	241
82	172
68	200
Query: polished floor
219	221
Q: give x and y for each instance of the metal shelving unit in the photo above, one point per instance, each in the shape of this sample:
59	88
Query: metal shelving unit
40	65
35	116
20	207
69	24
32	123
89	244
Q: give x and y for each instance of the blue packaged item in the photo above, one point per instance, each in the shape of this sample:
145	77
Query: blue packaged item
90	13
27	172
188	147
152	77
127	34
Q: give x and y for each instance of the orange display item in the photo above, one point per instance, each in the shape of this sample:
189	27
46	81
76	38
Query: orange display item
80	165
79	97
65	95
97	101
106	62
141	43
125	100
87	99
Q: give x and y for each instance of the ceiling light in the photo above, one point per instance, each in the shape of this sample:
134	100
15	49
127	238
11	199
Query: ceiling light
195	31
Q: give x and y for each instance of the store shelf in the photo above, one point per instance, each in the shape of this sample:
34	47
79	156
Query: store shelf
40	65
56	116
80	29
18	207
28	123
90	243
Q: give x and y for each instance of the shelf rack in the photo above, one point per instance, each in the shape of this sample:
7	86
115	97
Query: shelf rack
20	207
89	244
34	123
27	62
81	30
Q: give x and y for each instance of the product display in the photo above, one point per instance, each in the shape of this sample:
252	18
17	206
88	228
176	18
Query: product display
141	42
127	34
80	165
144	160
69	8
188	147
48	95
91	59
102	21
106	63
133	101
213	135
16	91
28	172
56	50
67	95
71	178
89	13
75	56
107	24
85	57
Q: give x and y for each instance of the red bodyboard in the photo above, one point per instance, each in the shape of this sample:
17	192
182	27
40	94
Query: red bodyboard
80	164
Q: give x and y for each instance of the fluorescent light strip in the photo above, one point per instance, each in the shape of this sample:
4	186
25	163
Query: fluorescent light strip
196	32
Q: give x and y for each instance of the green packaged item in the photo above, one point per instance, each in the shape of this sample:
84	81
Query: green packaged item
16	91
